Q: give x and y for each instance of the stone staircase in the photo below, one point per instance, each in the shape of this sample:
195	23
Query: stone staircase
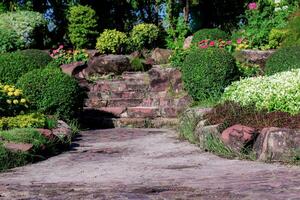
135	99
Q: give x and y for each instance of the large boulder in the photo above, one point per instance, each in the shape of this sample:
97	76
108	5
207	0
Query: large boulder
277	144
74	69
238	136
18	147
106	64
161	56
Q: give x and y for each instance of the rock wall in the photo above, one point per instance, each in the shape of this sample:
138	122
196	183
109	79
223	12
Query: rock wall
149	99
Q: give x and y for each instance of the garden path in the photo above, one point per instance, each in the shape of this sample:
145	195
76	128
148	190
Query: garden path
146	164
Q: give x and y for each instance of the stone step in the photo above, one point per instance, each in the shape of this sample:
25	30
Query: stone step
143	112
124	102
118	86
121	94
136	76
107	122
112	112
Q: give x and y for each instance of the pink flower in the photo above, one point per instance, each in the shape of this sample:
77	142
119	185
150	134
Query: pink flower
252	6
239	41
52	55
61	47
204	46
212	43
55	51
229	42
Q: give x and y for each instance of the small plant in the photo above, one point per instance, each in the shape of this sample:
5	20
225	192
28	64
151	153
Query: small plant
33	120
137	64
15	64
284	59
206	72
8	40
176	36
276	37
215	145
62	56
143	36
249	69
209	34
188	123
112	41
82	26
12	101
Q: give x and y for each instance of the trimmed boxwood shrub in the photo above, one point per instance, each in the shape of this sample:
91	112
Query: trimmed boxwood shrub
14	65
112	41
212	34
206	72
8	40
50	91
283	59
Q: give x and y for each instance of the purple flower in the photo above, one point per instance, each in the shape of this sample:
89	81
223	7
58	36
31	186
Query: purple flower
252	6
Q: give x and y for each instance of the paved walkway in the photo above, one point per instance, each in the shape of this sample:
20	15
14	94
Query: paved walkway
146	164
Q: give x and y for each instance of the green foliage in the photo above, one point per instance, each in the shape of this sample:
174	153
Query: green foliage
279	92
50	91
33	120
137	64
188	123
82	26
248	69
8	40
178	57
283	59
10	159
112	41
211	34
259	23
14	65
293	27
176	36
26	25
12	101
276	37
62	56
206	72
143	36
214	144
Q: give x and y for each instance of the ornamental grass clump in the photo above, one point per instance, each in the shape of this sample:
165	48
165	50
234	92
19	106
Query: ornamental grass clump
279	92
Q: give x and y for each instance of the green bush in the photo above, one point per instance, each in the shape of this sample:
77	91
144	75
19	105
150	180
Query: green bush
211	34
8	40
14	65
32	120
112	41
50	91
143	36
82	26
276	37
206	72
28	26
293	36
279	92
283	59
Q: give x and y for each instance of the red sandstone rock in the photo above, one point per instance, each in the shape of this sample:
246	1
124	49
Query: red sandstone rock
238	136
73	69
187	42
15	147
143	112
62	130
47	133
161	56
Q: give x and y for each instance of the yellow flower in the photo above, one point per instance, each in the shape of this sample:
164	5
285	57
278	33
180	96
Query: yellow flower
10	93
11	89
8	101
6	87
17	93
23	101
15	101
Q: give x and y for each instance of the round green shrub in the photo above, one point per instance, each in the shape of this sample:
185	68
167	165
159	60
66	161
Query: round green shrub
112	41
292	38
82	26
212	34
283	59
50	91
14	65
143	36
206	72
